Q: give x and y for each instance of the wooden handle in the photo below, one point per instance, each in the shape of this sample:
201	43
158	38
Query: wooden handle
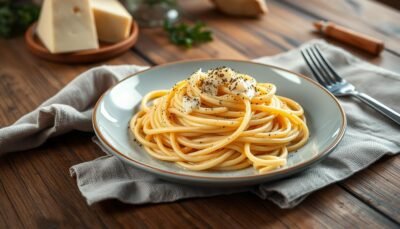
356	39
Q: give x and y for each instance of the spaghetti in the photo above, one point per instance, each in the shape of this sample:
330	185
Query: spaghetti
220	120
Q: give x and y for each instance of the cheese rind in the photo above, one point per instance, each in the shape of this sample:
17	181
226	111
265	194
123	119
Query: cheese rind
67	26
113	22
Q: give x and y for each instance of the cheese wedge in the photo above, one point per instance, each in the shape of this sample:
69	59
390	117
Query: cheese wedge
113	22
67	26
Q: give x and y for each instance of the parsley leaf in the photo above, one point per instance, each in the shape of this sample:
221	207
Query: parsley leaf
188	35
16	18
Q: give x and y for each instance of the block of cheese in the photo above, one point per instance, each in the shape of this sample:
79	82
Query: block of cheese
67	26
113	22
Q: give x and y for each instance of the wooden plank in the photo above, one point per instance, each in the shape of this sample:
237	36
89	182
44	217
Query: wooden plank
392	3
8	212
368	17
335	209
330	208
379	186
171	215
154	44
225	211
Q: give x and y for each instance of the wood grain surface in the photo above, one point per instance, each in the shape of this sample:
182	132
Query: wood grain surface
36	189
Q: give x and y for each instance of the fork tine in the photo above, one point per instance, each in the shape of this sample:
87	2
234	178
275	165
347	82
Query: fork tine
313	70
321	65
320	74
328	64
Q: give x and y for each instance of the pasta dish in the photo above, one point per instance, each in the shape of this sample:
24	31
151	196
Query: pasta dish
220	120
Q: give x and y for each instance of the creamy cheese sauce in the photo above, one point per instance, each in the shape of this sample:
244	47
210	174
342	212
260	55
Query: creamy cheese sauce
237	83
213	80
190	103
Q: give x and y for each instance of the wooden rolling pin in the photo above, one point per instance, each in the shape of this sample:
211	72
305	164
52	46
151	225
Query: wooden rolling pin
361	41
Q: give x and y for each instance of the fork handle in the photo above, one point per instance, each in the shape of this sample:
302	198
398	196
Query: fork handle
382	108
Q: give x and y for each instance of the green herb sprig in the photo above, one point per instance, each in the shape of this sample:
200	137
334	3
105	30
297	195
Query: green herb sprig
188	35
15	18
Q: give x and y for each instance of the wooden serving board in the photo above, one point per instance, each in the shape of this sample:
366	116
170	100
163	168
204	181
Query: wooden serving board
106	50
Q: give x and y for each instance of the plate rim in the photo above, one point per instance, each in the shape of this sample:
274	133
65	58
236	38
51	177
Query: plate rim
279	172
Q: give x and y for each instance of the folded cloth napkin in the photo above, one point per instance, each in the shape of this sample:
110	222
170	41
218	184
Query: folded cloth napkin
369	136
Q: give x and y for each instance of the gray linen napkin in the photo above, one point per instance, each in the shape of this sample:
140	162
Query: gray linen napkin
369	136
70	109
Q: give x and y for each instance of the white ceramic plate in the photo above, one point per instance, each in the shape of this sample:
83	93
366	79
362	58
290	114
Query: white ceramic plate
325	118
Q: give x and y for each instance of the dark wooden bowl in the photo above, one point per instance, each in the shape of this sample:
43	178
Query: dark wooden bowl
105	51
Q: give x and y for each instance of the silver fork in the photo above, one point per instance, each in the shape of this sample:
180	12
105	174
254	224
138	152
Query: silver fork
330	79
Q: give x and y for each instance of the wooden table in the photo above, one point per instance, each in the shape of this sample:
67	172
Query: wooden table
37	190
